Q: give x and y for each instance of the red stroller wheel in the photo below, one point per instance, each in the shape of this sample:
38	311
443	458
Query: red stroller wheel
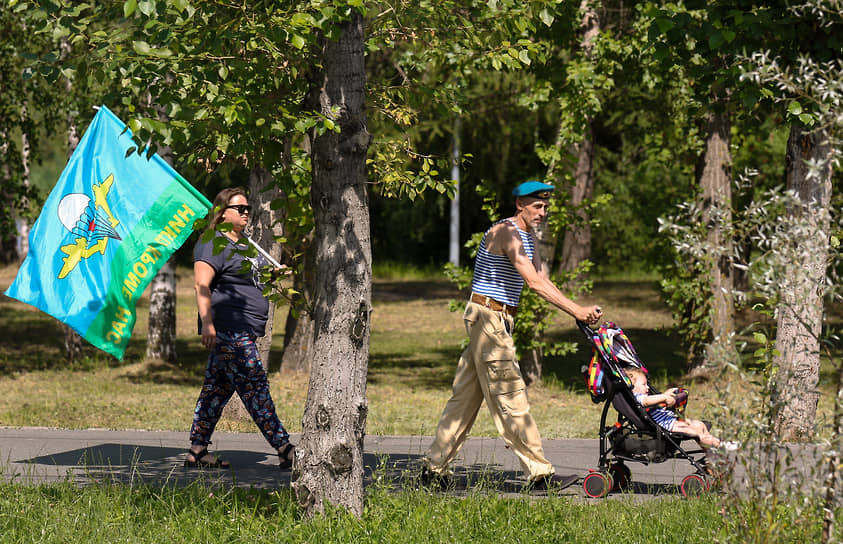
621	476
597	485
693	485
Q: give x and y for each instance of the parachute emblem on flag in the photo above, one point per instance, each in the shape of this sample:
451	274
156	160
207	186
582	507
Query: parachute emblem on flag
90	221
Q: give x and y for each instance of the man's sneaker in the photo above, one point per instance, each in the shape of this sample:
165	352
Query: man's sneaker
432	480
553	482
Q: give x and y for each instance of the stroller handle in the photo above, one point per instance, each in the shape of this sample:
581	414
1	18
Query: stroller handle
586	329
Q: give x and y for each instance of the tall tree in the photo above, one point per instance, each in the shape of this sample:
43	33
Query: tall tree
330	455
715	182
800	310
576	243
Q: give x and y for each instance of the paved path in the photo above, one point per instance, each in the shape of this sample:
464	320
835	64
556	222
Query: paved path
35	455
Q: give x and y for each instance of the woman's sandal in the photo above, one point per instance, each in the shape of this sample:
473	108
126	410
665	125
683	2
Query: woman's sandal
287	456
198	463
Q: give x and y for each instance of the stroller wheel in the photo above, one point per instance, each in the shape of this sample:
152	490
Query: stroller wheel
693	485
621	476
597	485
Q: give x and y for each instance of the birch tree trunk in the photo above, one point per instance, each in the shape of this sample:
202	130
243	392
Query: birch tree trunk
805	257
161	330
329	464
161	337
715	181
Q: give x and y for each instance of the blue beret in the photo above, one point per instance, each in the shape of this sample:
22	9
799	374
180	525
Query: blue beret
535	189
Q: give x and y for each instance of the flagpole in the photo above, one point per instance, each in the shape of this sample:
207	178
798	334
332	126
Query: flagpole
263	252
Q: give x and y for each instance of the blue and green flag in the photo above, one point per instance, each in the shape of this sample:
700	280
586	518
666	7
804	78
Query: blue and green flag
108	226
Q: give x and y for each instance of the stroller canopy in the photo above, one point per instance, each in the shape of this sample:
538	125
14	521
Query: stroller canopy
611	352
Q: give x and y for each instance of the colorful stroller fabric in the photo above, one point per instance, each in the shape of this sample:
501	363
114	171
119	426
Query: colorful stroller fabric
611	351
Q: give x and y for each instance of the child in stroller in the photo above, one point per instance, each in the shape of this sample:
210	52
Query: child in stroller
664	418
635	437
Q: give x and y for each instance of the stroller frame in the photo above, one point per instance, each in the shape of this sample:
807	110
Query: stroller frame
635	437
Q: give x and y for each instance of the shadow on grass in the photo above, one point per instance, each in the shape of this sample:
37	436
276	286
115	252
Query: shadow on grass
433	370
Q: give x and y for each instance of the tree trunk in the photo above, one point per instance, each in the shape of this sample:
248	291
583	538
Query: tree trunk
161	332
8	238
329	465
576	244
800	308
161	338
266	224
299	330
715	181
454	230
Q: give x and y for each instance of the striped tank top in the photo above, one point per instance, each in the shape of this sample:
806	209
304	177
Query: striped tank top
495	276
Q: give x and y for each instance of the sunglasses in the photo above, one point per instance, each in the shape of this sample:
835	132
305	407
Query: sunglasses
242	209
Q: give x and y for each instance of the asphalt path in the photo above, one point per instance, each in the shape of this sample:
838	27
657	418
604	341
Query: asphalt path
35	455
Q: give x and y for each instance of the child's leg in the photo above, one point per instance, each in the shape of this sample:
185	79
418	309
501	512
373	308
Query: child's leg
696	428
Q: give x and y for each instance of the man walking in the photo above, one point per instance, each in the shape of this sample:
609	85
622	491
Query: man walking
488	369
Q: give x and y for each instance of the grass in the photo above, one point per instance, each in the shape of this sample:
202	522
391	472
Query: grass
60	513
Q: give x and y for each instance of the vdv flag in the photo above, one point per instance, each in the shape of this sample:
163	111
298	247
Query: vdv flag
108	226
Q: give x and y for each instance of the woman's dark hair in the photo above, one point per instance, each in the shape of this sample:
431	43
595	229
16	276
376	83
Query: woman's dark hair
221	201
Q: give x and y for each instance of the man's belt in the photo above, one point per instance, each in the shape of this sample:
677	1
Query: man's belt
493	304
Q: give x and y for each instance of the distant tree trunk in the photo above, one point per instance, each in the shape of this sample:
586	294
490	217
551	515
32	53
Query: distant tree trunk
715	181
161	335
161	338
329	465
803	285
72	341
576	244
8	231
454	230
266	225
299	330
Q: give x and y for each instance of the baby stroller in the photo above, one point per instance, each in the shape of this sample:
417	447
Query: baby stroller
635	437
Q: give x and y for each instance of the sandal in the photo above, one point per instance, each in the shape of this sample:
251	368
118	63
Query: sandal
198	463
287	456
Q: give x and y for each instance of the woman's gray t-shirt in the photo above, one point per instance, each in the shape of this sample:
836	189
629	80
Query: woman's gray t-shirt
237	301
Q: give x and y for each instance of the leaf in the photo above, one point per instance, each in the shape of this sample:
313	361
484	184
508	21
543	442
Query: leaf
524	56
664	24
129	7
147	7
794	108
298	41
760	337
141	47
546	17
